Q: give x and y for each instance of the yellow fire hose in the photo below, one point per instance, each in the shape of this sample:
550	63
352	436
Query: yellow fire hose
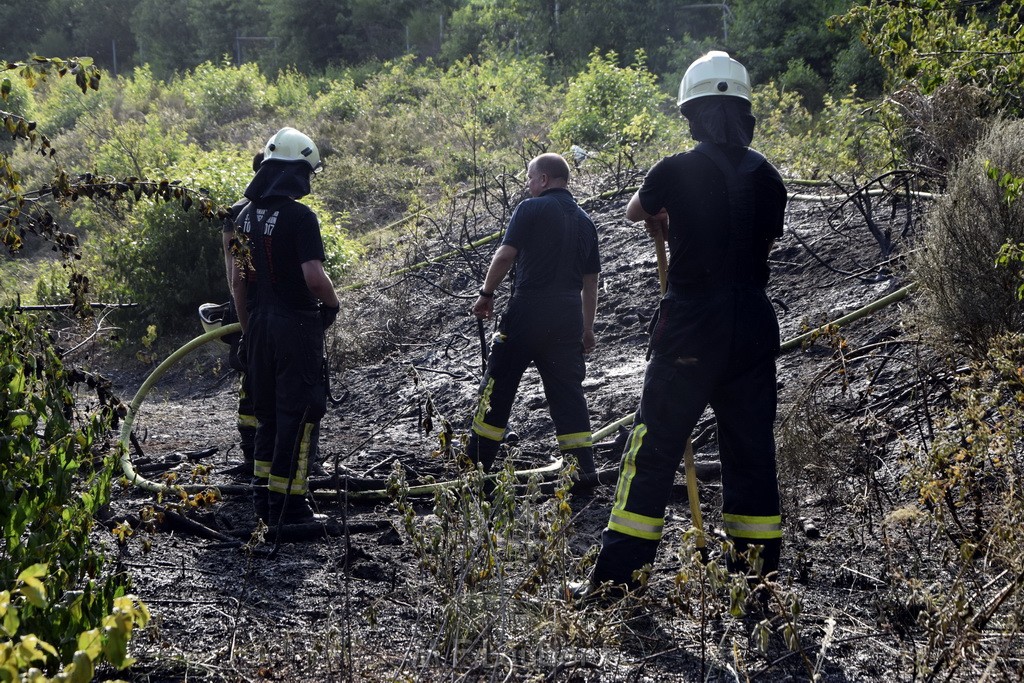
692	494
123	441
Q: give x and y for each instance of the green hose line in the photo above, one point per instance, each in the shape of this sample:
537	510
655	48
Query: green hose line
126	426
138	480
850	317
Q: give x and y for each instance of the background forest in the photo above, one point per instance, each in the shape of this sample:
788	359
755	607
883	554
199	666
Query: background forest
133	122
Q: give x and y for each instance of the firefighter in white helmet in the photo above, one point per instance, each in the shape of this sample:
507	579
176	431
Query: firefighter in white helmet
285	303
720	207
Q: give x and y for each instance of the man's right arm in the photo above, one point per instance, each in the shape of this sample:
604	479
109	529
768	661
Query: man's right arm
501	263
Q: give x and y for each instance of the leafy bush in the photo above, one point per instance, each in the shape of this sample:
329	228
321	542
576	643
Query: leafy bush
61	103
846	138
220	95
968	484
482	112
169	259
965	296
290	90
610	107
340	101
57	471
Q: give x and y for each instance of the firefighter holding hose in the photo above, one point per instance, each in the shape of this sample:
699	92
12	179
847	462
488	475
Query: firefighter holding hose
286	302
720	206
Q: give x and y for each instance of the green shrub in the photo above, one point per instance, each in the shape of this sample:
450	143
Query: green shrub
845	138
968	487
168	259
609	106
966	297
290	91
19	99
56	467
61	103
221	95
340	101
482	112
799	76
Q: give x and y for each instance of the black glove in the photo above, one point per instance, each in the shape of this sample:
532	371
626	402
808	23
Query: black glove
241	355
328	314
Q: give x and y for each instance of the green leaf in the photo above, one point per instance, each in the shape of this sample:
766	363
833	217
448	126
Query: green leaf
33	572
90	643
81	669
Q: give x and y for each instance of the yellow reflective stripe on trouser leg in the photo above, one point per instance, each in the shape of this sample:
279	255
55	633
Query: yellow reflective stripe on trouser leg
261	468
298	484
753	526
578	440
480	427
638	526
622	520
247	421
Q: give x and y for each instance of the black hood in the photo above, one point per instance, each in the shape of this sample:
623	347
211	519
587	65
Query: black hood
280	179
723	120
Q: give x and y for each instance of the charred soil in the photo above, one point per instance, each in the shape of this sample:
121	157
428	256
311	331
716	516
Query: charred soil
395	590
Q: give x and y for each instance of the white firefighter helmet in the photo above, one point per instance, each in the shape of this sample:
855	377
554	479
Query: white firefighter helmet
289	144
212	316
716	73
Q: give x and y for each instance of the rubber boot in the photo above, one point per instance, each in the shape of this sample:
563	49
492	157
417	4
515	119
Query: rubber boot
737	562
291	509
482	451
585	478
247	439
620	556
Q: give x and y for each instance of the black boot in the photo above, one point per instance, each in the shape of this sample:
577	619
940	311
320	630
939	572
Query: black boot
291	509
482	451
737	561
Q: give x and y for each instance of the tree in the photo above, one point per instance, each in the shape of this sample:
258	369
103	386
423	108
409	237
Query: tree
788	40
926	44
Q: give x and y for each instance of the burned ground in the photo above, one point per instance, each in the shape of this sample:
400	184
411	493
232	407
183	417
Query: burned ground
363	606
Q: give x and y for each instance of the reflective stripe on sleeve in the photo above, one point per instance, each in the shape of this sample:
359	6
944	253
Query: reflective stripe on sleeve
753	526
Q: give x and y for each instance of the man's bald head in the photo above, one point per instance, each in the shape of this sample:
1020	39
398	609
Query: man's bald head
552	165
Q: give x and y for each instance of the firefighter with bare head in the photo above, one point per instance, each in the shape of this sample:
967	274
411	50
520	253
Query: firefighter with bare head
549	319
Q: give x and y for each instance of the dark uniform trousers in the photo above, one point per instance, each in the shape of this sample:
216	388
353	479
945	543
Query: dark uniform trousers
716	350
547	330
286	368
246	417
